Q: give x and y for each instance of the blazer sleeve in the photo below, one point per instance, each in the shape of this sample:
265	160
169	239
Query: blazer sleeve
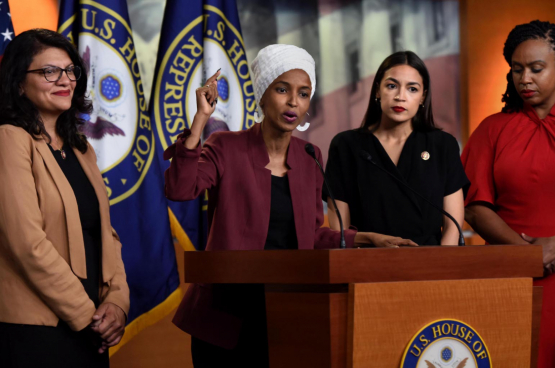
326	238
23	238
118	292
193	171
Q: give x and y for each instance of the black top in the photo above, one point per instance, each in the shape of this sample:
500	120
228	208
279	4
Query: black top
89	214
377	203
281	231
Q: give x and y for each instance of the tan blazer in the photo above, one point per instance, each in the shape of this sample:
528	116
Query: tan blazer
42	253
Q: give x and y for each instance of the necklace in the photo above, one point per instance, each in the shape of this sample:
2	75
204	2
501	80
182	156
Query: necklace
61	149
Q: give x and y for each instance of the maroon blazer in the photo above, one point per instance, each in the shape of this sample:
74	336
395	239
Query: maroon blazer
232	166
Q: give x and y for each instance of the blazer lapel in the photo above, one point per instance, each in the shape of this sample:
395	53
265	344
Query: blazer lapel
295	175
74	232
260	159
387	164
90	168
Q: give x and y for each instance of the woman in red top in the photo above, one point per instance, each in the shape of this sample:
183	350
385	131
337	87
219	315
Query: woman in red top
510	161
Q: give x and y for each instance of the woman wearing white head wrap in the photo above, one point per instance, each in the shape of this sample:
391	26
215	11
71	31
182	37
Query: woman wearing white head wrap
275	60
264	193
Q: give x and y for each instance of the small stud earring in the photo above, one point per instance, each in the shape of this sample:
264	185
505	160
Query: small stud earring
302	128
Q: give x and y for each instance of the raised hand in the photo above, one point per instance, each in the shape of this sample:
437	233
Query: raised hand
207	96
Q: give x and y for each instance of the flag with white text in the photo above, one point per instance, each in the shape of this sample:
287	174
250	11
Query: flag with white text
121	133
198	38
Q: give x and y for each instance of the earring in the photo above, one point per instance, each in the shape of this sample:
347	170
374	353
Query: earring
258	117
302	128
377	100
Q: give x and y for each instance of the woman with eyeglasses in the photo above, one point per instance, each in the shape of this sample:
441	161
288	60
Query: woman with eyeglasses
63	291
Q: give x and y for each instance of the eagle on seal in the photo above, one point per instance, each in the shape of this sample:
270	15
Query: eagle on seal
462	364
100	127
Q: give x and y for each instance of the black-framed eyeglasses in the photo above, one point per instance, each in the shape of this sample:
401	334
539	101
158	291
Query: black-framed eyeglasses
54	73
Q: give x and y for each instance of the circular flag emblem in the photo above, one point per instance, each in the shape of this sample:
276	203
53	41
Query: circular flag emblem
206	44
119	127
446	344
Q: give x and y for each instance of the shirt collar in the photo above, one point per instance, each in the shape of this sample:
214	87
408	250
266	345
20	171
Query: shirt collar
532	114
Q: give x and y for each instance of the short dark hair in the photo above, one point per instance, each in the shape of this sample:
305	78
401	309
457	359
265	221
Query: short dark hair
424	118
534	30
16	109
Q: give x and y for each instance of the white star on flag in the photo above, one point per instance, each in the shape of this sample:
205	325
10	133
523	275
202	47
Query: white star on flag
7	35
1	4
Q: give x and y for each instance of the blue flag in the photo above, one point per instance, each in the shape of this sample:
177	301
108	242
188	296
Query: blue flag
121	133
6	26
198	38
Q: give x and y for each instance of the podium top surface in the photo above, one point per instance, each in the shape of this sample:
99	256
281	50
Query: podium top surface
344	266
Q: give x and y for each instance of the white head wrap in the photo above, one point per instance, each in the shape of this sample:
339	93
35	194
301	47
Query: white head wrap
274	60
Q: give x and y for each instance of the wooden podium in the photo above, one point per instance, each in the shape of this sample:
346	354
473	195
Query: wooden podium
361	307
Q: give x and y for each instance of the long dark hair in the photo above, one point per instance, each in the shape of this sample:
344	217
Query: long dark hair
535	30
424	118
16	109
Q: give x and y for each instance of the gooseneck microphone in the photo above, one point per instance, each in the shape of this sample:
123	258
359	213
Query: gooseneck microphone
366	156
309	148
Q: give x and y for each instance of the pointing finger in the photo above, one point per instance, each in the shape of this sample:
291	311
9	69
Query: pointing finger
214	77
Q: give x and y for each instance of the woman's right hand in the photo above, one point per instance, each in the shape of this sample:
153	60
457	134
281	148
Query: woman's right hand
207	98
387	241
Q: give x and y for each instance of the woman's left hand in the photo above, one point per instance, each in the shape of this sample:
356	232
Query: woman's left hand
548	248
109	323
382	240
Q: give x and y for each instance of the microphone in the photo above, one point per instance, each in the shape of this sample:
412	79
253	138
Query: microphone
366	156
309	148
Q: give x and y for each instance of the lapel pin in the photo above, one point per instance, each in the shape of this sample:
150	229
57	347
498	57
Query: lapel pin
425	155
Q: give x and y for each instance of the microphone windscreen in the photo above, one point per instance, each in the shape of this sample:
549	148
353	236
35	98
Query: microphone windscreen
309	148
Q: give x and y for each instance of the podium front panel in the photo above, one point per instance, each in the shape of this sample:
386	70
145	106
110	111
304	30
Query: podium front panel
383	318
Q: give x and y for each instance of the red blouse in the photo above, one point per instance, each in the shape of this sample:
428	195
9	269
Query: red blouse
510	161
